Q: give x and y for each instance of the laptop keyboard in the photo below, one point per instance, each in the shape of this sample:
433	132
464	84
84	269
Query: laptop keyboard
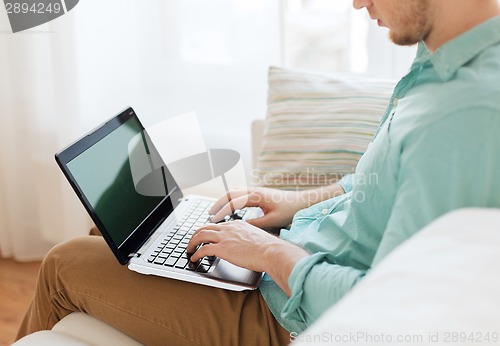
172	250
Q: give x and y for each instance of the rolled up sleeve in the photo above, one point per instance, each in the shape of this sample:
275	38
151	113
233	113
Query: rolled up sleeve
317	282
347	182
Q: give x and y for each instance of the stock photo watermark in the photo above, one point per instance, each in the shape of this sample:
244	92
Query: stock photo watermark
310	179
424	338
27	14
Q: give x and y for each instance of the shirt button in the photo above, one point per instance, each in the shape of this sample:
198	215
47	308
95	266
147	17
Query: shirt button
324	212
395	101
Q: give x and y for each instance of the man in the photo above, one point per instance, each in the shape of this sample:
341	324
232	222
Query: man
436	150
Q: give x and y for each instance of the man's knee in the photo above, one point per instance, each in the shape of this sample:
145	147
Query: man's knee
70	253
67	248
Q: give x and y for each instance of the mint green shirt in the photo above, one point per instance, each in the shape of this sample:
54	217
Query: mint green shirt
437	149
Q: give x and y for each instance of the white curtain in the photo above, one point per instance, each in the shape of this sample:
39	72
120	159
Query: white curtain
61	79
38	105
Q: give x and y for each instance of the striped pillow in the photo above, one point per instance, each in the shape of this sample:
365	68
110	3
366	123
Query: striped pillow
317	126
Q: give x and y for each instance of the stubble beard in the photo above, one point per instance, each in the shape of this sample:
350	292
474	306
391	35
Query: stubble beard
415	24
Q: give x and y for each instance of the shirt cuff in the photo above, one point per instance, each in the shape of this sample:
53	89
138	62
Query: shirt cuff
292	310
347	182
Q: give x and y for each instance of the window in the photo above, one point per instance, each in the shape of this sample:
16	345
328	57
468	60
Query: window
323	34
331	35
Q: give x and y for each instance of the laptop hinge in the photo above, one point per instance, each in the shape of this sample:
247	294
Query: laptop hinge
134	254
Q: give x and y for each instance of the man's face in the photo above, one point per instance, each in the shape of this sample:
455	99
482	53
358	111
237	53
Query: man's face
409	21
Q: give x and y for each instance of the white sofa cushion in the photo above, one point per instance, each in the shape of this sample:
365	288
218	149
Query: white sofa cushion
441	287
79	329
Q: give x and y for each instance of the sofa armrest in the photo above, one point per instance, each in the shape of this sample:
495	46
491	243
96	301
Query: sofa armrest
78	329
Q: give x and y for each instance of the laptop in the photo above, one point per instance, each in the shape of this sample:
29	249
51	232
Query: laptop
141	212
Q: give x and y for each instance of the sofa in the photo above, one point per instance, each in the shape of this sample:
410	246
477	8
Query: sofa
438	288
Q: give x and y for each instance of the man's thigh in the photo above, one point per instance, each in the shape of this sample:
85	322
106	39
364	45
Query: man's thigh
157	310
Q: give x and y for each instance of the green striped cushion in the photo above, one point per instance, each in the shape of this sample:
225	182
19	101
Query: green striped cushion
317	126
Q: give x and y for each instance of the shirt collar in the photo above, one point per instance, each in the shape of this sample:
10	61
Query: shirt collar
457	52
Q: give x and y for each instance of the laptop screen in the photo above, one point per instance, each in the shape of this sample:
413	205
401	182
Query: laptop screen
122	179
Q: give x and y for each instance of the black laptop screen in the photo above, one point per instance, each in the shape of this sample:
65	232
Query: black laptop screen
122	179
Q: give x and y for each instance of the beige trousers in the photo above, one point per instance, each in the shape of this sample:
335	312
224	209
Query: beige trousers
83	275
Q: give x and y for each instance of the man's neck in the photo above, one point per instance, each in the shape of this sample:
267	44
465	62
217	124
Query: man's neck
454	17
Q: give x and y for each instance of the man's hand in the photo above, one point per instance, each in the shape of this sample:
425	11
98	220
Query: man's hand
278	206
249	247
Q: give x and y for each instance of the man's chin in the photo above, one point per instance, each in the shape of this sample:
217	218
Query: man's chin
401	40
